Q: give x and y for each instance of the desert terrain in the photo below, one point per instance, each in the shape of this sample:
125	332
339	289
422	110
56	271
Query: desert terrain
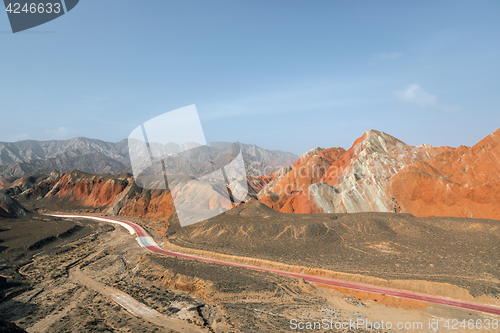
457	251
67	280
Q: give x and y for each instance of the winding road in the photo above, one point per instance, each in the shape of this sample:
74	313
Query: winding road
149	244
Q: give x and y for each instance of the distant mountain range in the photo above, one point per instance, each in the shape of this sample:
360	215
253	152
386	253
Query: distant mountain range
90	155
22	158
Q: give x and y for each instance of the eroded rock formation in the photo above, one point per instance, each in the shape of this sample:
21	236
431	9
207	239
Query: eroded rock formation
380	173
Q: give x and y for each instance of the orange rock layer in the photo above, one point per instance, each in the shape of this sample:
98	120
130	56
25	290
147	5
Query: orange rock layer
463	182
116	195
381	173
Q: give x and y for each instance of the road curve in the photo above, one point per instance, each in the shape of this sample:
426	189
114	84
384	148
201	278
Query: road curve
149	244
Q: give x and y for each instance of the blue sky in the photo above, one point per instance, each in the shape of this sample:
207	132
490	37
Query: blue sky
288	75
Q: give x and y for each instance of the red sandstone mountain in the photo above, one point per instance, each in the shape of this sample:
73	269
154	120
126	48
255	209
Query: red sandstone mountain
289	190
113	194
457	182
380	173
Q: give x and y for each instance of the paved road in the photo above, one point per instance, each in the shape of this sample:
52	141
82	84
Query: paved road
147	242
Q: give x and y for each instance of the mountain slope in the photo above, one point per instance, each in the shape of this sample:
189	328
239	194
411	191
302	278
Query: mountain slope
289	191
459	182
10	207
380	173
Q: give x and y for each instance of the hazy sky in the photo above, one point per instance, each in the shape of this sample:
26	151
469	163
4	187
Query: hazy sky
288	75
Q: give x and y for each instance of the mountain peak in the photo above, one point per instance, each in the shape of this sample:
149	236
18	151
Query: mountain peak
379	141
308	153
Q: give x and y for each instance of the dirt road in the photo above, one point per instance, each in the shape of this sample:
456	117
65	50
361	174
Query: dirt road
131	305
147	242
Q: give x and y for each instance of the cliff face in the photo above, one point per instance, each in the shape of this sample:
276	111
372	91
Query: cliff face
380	173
